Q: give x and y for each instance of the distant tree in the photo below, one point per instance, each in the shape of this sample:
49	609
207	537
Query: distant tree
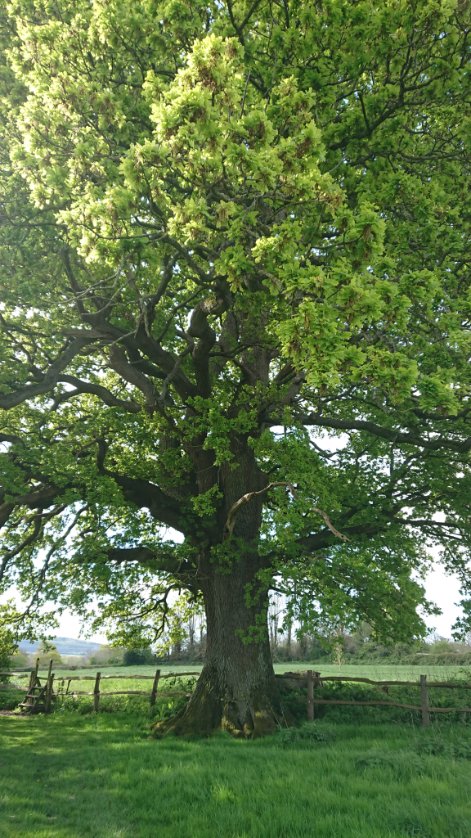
8	642
7	649
134	657
47	652
107	655
442	651
19	659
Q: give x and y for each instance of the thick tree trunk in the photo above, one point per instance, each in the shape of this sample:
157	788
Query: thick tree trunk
236	691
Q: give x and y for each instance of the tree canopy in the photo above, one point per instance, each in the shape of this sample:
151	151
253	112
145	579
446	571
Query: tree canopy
234	305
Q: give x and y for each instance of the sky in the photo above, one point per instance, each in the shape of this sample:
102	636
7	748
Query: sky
444	590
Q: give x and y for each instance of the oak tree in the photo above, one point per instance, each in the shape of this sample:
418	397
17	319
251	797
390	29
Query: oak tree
234	307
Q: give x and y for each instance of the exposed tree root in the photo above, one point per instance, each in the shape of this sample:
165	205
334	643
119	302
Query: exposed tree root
210	710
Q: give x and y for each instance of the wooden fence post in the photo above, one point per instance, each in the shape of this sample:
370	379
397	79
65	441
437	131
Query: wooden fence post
96	692
155	686
48	691
310	695
33	676
424	705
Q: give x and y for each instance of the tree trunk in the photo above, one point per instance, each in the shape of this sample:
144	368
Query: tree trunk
236	691
289	639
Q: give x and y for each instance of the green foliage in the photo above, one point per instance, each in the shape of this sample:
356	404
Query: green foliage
444	652
234	305
8	643
357	692
7	647
133	657
308	735
19	660
172	697
436	744
47	652
404	766
107	655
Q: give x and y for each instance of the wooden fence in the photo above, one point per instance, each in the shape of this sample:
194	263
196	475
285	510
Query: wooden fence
314	680
61	687
311	680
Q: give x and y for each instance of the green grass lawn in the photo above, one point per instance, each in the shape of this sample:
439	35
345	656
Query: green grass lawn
68	776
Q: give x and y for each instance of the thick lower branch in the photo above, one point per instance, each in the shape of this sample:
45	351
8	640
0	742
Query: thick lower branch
146	495
158	559
49	380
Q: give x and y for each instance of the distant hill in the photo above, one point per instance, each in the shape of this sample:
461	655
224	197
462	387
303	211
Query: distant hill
64	645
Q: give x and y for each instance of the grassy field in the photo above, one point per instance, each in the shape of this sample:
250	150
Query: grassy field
374	671
378	671
167	697
71	776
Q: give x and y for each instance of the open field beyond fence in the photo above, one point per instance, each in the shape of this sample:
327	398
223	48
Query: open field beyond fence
377	671
426	695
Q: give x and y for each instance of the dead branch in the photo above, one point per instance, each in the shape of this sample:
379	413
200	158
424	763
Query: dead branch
230	522
329	524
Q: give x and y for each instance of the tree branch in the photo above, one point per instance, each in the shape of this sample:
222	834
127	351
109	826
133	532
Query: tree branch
319	420
126	370
326	538
96	390
40	499
165	509
230	521
200	328
163	559
50	379
330	525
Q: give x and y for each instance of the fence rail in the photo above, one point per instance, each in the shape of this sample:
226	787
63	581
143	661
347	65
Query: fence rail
62	690
310	679
314	680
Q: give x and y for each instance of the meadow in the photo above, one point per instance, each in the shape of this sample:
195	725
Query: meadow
354	773
375	671
72	776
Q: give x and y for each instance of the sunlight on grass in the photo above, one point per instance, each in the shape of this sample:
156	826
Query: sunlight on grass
69	776
369	670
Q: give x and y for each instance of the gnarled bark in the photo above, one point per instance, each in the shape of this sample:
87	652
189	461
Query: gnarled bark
236	691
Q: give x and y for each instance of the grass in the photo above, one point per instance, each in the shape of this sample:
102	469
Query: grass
382	672
296	703
370	670
72	776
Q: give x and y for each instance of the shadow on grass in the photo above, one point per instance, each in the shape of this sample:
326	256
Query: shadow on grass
68	776
72	776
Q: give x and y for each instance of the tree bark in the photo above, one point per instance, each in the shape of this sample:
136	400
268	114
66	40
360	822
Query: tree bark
236	691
